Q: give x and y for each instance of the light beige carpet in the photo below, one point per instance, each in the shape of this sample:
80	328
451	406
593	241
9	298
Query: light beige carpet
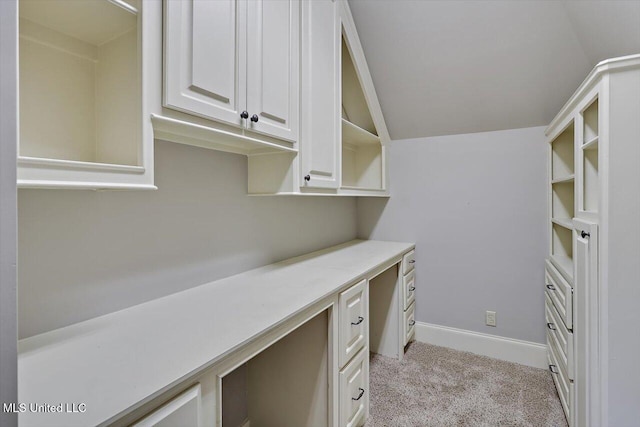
437	386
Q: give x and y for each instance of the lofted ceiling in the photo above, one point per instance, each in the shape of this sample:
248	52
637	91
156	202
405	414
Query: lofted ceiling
451	67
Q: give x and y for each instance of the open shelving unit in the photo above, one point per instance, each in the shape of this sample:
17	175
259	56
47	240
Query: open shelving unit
562	195
80	85
362	164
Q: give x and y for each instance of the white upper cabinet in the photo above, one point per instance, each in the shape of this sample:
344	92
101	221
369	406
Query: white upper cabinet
234	62
320	130
204	61
273	67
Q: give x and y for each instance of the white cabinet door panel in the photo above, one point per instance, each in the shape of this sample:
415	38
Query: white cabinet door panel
587	322
273	67
320	110
354	322
184	411
204	58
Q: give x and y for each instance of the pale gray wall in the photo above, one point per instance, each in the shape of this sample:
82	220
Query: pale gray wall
85	253
475	205
8	132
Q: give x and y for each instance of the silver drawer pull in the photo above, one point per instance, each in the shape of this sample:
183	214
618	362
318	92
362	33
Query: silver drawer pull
551	326
360	320
412	322
551	287
359	395
554	369
412	288
412	261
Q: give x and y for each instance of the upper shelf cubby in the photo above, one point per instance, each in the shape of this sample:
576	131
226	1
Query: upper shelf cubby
590	118
354	103
562	155
80	94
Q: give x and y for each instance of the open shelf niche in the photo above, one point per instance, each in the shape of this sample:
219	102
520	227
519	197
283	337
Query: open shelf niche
562	249
590	181
562	156
284	385
362	166
80	90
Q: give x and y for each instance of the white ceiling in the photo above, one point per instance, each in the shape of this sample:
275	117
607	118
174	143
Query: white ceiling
450	67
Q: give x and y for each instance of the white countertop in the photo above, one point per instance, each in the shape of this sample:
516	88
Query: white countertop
115	361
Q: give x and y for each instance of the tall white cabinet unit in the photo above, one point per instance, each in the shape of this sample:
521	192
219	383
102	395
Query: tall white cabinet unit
84	94
593	269
342	130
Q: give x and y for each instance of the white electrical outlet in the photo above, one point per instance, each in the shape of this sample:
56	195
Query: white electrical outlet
490	318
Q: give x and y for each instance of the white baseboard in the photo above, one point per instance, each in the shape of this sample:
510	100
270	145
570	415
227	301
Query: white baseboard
509	349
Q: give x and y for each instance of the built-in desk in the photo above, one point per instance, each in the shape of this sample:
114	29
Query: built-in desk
124	365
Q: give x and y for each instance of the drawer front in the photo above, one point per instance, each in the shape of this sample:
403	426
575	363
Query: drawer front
561	381
408	261
183	410
408	288
354	393
409	323
560	337
559	290
354	322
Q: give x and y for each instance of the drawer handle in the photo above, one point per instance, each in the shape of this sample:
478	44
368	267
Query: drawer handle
551	287
551	326
359	395
412	261
412	288
554	369
412	322
360	320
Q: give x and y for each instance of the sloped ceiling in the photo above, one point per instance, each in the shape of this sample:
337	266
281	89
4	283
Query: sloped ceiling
450	67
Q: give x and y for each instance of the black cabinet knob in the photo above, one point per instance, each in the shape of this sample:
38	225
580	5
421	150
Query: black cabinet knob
307	178
255	118
585	234
244	114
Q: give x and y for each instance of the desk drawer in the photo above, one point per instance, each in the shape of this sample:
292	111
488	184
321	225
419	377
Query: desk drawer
559	290
408	289
409	323
560	337
408	261
354	393
354	322
561	381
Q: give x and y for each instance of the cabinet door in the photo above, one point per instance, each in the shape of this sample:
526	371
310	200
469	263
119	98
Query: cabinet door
320	109
184	410
273	39
586	324
204	58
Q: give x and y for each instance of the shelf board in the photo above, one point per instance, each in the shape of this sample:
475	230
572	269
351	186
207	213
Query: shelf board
182	132
94	22
564	265
355	135
592	144
563	222
560	180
